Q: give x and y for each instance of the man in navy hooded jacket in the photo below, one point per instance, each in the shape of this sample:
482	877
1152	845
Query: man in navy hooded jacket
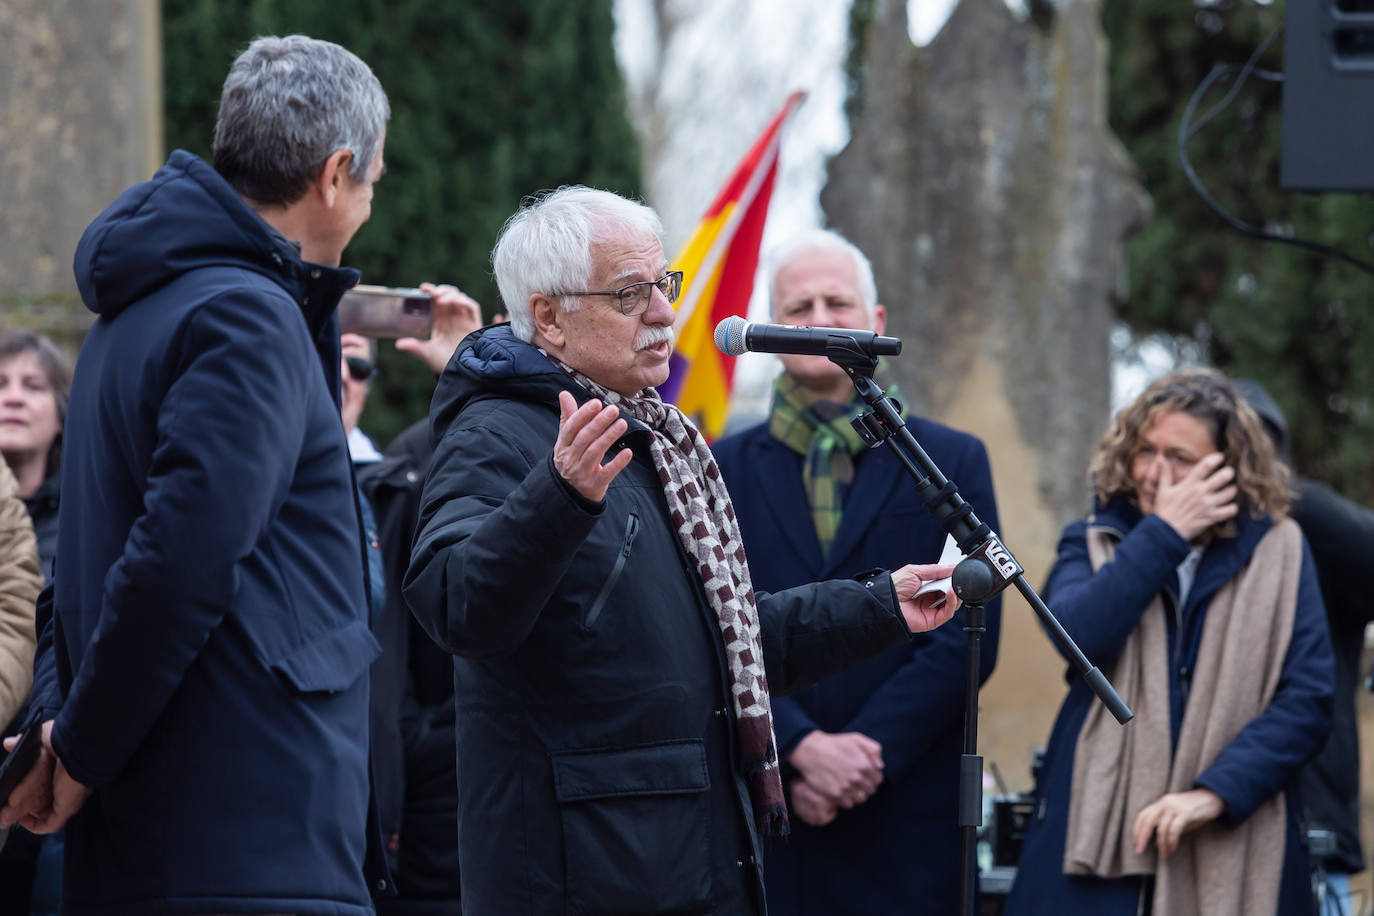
203	681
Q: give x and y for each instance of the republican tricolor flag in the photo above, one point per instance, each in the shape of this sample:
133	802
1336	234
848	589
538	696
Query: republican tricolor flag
718	263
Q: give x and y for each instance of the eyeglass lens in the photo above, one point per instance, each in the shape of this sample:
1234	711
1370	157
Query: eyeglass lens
635	297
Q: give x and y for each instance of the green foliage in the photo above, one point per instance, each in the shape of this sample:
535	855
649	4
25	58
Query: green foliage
1298	322
491	100
863	15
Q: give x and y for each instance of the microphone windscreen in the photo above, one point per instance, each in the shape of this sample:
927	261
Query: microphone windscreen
730	335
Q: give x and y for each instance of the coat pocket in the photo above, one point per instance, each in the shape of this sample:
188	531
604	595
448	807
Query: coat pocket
330	662
635	829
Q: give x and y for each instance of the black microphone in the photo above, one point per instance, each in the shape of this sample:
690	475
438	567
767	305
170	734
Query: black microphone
734	336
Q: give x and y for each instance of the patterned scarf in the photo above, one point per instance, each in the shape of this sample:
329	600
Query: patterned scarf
705	521
821	432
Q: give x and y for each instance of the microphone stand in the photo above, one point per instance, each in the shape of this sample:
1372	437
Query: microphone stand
987	568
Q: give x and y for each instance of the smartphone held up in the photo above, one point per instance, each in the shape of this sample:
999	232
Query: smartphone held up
386	311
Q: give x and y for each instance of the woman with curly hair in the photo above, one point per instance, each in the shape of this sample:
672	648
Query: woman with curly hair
1193	591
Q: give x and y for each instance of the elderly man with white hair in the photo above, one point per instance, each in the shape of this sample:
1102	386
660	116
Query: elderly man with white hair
578	554
871	757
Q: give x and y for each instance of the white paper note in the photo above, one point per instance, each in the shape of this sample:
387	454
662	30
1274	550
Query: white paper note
950	554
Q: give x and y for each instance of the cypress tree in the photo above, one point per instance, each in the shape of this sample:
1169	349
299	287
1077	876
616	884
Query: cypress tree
491	100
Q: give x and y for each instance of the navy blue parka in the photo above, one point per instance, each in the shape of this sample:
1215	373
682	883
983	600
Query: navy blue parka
208	655
910	699
1100	611
597	765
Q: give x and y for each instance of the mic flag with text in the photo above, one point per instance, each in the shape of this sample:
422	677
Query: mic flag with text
718	264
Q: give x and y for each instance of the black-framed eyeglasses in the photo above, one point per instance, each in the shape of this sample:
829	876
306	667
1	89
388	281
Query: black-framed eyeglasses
359	368
634	299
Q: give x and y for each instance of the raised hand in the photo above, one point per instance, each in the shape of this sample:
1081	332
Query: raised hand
845	768
456	315
1169	817
1201	498
928	611
585	434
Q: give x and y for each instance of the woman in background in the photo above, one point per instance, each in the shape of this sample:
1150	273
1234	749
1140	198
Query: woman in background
1190	588
35	382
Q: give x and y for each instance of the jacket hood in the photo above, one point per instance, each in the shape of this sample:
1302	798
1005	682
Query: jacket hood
1262	403
185	217
493	361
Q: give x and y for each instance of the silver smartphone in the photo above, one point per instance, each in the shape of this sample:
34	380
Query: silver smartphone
386	311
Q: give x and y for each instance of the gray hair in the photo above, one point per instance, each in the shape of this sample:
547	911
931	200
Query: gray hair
546	247
288	105
822	240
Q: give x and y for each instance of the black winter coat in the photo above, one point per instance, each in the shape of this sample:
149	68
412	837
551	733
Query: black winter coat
597	766
412	703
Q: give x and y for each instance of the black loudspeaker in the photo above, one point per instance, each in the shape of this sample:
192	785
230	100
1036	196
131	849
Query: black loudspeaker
1328	96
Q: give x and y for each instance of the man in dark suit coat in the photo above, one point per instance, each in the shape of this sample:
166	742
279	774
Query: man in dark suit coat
872	754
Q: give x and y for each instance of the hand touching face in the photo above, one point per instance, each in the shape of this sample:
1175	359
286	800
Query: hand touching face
1179	475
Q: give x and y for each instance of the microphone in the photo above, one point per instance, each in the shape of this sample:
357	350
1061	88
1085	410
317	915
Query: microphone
734	336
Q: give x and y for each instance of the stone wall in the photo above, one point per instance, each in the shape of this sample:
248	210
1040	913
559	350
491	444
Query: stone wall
81	118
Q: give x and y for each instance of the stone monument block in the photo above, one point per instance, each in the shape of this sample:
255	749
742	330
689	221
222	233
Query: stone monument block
81	119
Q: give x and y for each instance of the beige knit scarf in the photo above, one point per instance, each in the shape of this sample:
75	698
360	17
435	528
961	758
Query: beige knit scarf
704	519
1118	770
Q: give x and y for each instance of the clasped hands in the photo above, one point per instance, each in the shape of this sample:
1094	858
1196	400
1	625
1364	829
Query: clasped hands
834	771
47	797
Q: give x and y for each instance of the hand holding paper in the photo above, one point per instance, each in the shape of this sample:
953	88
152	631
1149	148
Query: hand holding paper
921	609
950	555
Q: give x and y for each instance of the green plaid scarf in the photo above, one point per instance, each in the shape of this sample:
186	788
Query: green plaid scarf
821	432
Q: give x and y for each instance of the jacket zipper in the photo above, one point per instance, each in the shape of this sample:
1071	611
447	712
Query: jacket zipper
631	529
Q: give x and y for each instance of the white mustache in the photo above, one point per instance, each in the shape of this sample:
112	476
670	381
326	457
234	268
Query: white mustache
652	337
